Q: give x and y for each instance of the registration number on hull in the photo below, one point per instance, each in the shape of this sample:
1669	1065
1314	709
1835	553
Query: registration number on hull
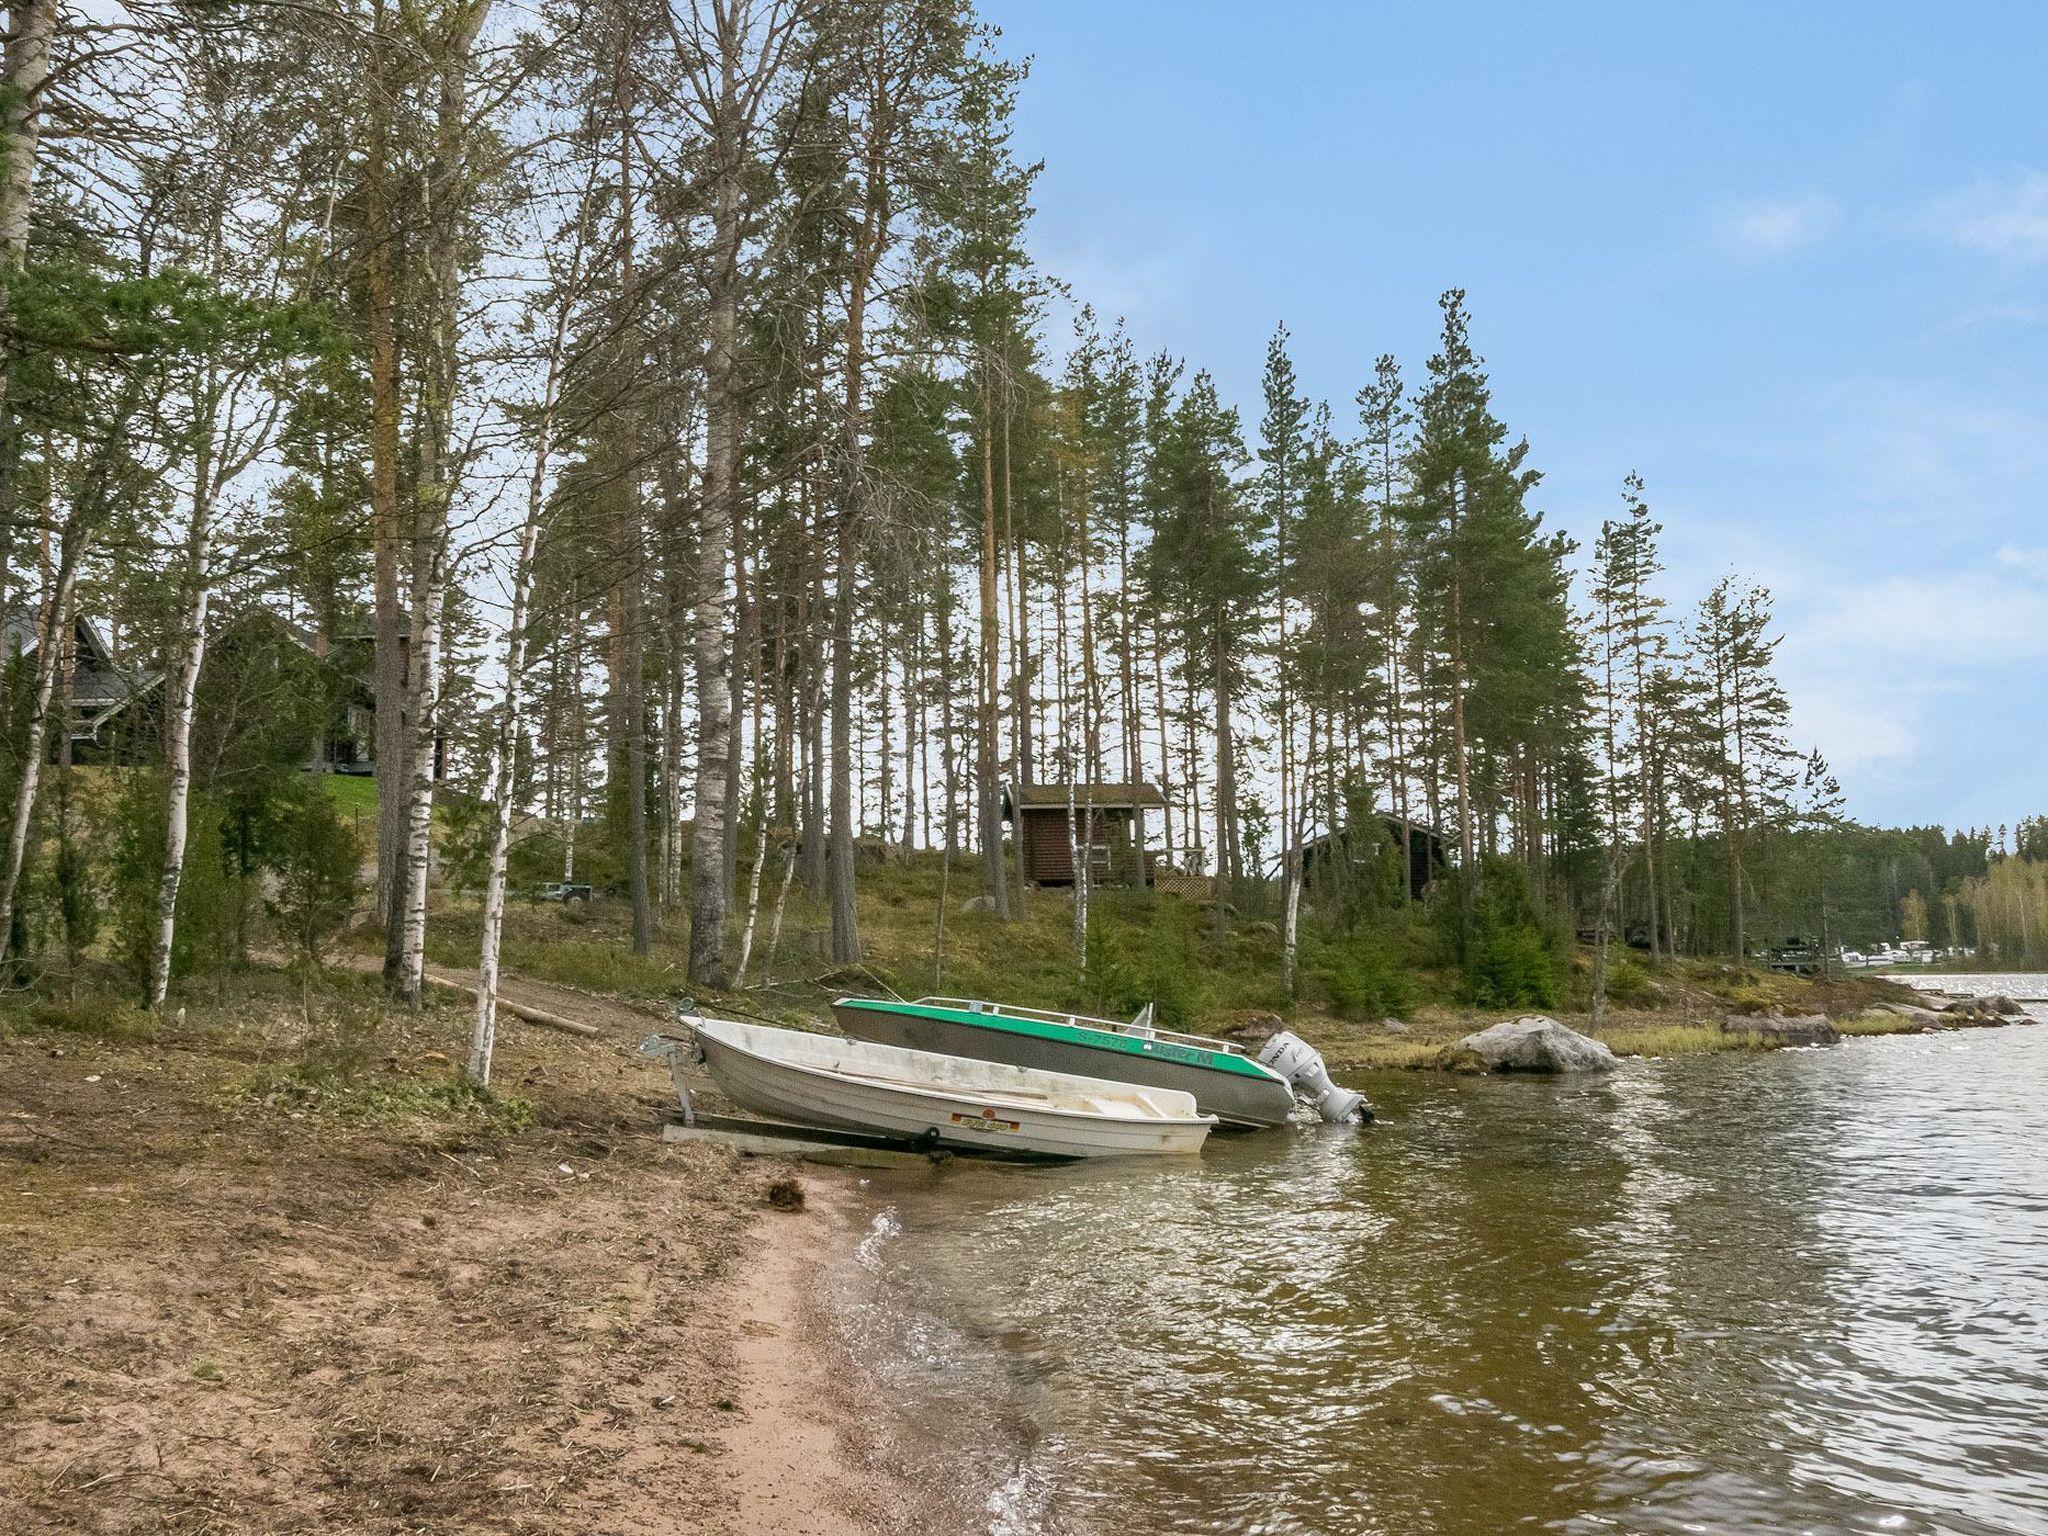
987	1120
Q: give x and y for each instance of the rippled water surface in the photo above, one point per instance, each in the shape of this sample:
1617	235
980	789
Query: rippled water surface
1805	1291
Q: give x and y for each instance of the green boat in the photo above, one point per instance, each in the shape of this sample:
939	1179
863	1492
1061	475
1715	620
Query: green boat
1242	1092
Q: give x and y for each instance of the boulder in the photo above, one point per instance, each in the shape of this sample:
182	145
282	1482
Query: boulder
978	904
1537	1044
1395	1027
1802	1029
1979	1012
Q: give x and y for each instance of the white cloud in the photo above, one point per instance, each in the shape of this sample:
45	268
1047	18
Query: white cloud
2007	219
1880	669
1958	620
2028	562
1763	228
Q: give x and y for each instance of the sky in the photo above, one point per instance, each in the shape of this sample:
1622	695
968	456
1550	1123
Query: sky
1789	262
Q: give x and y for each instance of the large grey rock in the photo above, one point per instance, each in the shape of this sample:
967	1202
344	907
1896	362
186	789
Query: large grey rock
1977	1012
1537	1044
1801	1029
1395	1027
978	904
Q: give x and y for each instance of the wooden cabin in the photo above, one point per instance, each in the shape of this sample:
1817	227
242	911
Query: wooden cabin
1426	857
1108	825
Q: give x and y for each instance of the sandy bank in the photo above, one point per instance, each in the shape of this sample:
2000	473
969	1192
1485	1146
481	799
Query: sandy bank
255	1283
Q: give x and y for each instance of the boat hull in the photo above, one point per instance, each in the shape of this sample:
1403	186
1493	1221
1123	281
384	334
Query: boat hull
969	1105
1238	1101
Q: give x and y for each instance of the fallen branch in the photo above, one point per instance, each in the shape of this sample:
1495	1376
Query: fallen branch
524	1014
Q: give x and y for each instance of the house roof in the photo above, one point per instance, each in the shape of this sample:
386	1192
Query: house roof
1102	797
1392	823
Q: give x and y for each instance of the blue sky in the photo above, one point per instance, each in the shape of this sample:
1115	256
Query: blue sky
1789	262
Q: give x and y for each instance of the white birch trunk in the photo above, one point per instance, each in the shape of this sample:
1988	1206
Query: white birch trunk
1080	870
419	800
781	901
48	654
503	781
504	774
1290	928
178	747
739	975
574	818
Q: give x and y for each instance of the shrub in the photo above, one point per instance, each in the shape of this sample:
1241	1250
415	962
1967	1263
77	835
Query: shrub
314	853
1364	981
1166	968
1511	968
1627	982
1507	951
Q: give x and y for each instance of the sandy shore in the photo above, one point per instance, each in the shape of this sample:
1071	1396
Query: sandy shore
245	1295
802	1446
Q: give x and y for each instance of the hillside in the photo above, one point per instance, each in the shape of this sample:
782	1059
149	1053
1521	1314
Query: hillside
1143	947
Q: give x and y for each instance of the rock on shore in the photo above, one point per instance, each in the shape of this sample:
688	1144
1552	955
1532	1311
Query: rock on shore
1537	1044
1978	1012
1800	1029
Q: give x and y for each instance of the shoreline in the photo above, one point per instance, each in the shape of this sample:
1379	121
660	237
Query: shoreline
803	1456
284	1276
317	1286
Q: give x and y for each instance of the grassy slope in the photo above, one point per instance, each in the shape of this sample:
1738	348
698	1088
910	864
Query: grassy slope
1227	985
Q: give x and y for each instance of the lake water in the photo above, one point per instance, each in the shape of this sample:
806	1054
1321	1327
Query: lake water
1798	1292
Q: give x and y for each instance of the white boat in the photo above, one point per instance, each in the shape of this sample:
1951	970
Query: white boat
953	1101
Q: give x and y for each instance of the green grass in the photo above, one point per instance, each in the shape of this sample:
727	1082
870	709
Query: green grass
93	1014
352	793
1883	1024
1144	945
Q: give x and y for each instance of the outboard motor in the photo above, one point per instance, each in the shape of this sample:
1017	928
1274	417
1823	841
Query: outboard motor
1302	1065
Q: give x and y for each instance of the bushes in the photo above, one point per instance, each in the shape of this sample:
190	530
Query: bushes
313	852
1508	954
1364	980
1164	967
1628	983
1511	967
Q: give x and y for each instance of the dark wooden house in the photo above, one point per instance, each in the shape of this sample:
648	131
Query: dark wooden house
1426	851
1108	826
105	704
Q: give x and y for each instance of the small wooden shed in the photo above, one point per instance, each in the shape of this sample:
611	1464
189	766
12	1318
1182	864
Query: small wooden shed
1108	825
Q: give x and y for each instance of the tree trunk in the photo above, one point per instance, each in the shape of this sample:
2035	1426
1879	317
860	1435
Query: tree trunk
178	723
504	757
389	678
504	774
986	785
435	483
712	653
24	69
425	701
48	657
845	919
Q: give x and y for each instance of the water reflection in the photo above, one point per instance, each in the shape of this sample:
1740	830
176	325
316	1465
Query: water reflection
1801	1292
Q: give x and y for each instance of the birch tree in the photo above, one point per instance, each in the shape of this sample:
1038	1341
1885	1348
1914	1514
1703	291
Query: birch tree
503	773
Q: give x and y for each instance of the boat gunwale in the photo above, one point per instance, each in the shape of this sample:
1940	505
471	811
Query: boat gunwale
1195	1117
1232	1060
